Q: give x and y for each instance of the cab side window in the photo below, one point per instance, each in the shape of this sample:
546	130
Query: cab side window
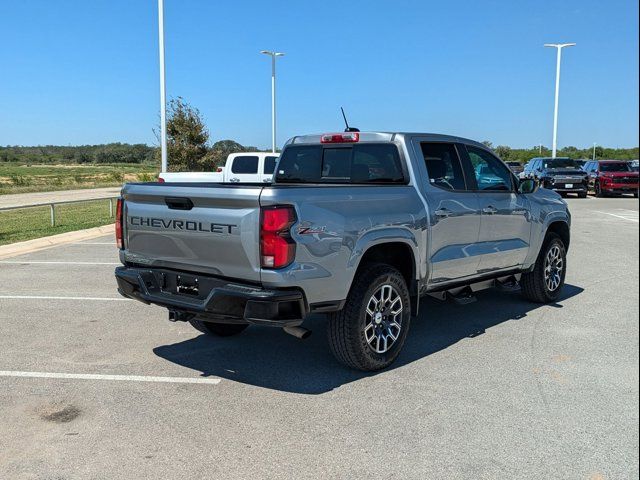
269	165
491	174
245	164
443	166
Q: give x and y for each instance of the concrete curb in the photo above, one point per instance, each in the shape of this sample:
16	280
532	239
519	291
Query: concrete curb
20	248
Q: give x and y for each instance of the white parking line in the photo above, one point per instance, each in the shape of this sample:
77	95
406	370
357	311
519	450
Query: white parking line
117	378
113	244
43	262
631	217
46	297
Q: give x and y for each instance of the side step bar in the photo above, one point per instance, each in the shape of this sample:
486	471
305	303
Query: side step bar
464	295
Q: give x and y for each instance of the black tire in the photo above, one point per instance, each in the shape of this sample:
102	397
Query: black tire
599	192
347	328
534	284
582	195
218	329
635	194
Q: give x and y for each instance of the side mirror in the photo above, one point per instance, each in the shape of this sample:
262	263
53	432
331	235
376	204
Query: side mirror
528	185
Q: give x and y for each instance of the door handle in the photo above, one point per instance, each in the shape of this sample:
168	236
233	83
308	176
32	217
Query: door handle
178	203
443	213
234	180
490	210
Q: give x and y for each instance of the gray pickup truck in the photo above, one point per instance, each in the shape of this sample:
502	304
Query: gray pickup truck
355	225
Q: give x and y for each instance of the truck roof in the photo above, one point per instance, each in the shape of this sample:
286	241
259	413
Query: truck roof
387	137
252	154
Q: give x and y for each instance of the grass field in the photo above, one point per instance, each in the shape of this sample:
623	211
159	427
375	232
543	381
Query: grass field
29	223
17	178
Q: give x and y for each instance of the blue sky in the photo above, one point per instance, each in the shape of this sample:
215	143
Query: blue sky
84	72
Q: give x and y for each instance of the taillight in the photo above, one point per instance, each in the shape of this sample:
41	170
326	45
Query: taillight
160	180
347	137
219	169
277	248
119	237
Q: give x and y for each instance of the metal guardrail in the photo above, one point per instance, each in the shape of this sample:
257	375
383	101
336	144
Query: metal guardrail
52	206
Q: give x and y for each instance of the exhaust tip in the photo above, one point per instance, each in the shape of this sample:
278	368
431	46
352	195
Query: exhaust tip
298	332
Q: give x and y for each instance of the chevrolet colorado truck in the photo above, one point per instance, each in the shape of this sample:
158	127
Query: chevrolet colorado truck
355	225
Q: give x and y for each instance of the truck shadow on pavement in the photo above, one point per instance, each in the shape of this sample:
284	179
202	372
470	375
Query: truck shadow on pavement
269	358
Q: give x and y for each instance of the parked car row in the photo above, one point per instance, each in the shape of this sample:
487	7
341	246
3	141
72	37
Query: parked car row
600	177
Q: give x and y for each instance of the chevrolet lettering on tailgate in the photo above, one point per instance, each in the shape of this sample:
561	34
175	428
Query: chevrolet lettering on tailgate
173	224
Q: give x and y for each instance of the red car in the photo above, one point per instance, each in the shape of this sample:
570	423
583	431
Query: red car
611	177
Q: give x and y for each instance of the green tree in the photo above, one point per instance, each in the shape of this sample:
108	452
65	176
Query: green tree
222	148
503	152
187	138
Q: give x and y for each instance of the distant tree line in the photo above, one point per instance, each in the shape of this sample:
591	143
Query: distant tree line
523	155
107	153
189	148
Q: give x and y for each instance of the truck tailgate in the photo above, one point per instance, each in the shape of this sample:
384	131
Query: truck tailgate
204	228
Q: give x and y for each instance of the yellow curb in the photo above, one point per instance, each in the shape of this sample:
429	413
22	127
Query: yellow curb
20	248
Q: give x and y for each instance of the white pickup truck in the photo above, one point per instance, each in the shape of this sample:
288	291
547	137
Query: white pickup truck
246	167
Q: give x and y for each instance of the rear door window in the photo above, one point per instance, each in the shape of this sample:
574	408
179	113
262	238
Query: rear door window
443	166
245	164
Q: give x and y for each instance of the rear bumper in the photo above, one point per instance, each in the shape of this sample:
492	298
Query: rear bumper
209	298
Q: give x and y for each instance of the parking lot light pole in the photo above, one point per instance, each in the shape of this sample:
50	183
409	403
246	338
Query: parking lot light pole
163	93
273	56
594	151
559	47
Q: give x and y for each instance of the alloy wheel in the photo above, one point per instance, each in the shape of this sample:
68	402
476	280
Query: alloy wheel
553	267
383	321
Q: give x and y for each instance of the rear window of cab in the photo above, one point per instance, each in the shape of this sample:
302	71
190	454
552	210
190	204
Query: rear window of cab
347	164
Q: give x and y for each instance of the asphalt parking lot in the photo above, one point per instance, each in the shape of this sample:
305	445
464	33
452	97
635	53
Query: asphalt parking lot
95	386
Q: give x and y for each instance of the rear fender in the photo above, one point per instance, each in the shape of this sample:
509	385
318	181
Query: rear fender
380	237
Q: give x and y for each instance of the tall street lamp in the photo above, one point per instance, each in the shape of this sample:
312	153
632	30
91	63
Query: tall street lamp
163	93
273	56
559	47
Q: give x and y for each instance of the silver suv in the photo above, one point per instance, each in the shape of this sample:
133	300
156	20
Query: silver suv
356	225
